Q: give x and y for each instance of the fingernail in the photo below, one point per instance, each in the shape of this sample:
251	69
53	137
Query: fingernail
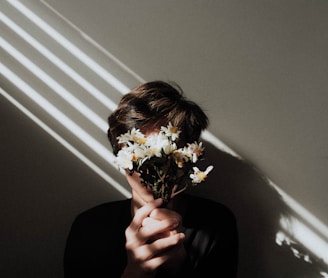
158	201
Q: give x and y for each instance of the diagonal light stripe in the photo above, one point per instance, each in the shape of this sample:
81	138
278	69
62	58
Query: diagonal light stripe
68	146
73	49
95	44
53	84
58	62
303	213
218	143
49	108
302	233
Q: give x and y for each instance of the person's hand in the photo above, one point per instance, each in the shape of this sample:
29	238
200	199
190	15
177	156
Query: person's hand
154	239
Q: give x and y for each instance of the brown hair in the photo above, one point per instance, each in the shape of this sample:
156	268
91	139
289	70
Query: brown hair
152	105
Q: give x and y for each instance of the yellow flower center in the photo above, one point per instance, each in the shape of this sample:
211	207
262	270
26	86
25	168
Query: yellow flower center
174	130
140	140
201	175
135	157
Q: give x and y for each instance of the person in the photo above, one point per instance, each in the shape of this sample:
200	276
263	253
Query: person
138	237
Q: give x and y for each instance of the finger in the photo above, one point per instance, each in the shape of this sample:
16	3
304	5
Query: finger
164	244
149	221
163	213
157	248
145	258
143	212
152	230
158	232
151	256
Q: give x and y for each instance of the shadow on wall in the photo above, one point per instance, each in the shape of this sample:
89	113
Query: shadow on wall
258	208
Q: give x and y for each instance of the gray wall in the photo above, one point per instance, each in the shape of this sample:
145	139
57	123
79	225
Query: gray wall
259	69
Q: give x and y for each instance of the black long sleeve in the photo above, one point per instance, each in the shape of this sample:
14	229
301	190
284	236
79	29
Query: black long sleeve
96	243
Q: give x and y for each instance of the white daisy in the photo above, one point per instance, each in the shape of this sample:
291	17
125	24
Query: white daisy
196	149
132	136
124	159
156	143
199	176
171	131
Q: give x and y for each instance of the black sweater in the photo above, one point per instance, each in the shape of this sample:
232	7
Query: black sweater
96	243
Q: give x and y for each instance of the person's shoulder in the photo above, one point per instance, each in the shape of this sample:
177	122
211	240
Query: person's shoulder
108	206
110	210
100	224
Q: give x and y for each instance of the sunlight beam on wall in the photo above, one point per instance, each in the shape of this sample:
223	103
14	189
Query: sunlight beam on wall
95	44
69	46
68	146
302	233
50	109
58	62
54	85
304	213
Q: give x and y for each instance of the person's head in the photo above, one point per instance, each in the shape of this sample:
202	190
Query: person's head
152	105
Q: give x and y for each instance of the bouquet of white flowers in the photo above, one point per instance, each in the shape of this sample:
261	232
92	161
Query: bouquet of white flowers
163	168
